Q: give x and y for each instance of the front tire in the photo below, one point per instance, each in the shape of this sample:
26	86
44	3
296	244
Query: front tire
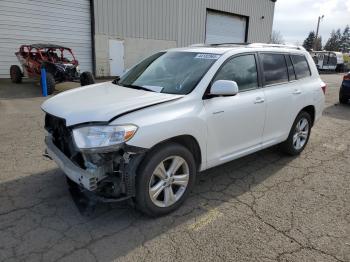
86	78
16	74
164	180
299	135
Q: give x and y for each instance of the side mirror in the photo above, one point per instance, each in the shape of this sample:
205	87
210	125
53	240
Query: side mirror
224	88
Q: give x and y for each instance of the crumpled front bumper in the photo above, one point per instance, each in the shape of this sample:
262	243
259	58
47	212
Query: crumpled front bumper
90	181
80	176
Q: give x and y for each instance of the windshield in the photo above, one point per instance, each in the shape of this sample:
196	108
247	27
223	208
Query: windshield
169	72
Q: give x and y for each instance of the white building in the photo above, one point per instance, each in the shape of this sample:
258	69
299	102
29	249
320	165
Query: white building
109	36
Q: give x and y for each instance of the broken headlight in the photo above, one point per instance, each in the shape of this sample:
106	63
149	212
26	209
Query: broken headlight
102	137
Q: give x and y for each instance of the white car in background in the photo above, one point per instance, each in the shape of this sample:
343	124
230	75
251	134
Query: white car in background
146	136
328	60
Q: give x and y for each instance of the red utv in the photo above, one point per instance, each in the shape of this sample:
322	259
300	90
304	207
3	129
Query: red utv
59	62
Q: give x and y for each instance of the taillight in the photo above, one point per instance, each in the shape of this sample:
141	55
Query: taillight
324	87
347	77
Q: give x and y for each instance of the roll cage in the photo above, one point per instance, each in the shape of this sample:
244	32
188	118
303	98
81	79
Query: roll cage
50	53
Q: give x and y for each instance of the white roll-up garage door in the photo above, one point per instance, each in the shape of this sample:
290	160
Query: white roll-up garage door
61	22
225	28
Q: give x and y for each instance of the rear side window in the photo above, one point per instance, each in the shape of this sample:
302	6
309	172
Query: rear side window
275	68
241	69
301	66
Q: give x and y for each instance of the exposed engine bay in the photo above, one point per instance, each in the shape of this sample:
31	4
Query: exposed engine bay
109	176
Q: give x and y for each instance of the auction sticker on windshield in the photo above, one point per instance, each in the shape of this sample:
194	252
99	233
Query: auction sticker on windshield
207	56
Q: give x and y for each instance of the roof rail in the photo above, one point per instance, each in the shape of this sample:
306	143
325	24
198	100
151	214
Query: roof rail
229	44
276	45
219	44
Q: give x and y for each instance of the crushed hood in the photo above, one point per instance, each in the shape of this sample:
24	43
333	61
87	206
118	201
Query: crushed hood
101	102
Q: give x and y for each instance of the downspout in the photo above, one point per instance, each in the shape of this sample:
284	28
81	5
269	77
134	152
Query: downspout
93	53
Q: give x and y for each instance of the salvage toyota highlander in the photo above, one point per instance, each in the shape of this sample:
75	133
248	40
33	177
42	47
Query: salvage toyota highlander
146	135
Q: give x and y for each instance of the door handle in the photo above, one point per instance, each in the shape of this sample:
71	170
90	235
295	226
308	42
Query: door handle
297	92
259	100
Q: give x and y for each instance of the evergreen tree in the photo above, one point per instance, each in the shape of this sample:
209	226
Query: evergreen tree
345	40
334	42
309	41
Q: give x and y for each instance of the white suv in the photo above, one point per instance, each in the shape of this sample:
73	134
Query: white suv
146	135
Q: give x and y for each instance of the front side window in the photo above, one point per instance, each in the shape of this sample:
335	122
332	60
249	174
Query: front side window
169	72
301	66
241	69
275	69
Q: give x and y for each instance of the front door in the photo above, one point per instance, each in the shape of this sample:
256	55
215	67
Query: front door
235	123
116	57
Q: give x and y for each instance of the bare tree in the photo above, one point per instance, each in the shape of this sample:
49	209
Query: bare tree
276	37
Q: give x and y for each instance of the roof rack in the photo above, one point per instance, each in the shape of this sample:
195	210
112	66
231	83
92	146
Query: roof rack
229	44
277	46
250	45
219	44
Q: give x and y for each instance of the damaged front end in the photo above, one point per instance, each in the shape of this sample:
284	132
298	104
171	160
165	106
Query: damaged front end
105	176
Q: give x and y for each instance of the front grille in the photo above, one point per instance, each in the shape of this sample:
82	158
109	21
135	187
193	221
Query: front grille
61	134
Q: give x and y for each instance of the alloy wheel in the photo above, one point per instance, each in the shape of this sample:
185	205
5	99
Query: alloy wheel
301	133
169	181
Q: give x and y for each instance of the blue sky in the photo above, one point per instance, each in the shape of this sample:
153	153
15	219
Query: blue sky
296	18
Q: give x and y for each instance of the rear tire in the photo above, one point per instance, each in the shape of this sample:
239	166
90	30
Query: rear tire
174	188
343	99
16	74
299	135
50	83
86	78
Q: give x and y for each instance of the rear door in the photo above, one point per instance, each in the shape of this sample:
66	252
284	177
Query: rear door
305	87
278	95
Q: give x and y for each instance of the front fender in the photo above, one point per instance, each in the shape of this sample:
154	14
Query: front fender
163	122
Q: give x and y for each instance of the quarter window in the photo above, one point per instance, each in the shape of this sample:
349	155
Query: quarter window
241	69
275	69
301	66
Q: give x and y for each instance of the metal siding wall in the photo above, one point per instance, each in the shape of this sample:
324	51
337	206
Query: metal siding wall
151	19
180	20
60	22
147	26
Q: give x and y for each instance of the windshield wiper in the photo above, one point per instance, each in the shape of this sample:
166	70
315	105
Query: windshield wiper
139	87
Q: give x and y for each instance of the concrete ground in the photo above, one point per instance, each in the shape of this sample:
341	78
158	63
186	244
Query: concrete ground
264	207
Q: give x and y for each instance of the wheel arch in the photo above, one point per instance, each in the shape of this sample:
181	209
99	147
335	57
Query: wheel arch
311	110
189	142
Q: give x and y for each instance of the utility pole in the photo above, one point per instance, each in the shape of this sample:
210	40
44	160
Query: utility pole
318	28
